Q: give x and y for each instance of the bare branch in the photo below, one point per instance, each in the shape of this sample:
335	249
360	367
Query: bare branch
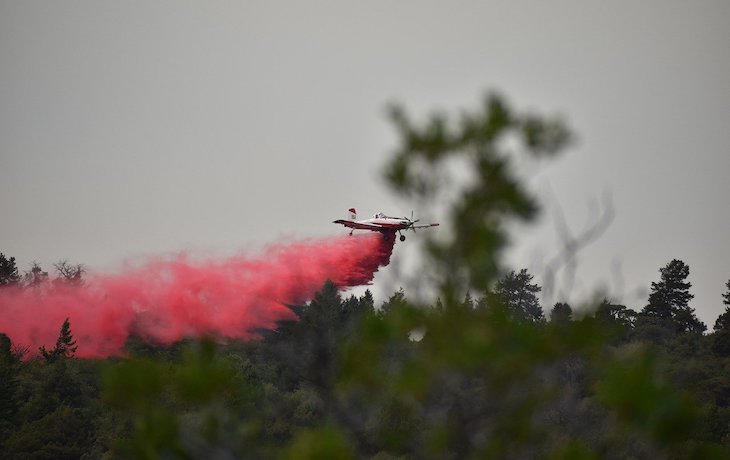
566	259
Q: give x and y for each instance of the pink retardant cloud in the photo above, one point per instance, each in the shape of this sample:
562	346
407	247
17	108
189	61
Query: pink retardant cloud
164	301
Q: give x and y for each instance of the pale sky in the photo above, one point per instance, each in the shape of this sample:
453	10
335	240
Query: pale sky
141	128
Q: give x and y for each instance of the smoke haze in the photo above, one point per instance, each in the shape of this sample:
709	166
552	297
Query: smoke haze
164	301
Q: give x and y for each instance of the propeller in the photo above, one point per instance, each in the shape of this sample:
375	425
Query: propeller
412	222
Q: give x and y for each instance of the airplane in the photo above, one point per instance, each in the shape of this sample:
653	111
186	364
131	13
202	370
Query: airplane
381	223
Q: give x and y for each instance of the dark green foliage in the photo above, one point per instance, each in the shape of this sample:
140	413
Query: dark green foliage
9	404
394	302
721	337
53	409
200	389
8	271
519	296
610	313
61	434
721	343
319	335
65	345
561	313
471	256
723	321
669	300
616	318
326	442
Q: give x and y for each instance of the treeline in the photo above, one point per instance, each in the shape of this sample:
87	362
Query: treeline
491	376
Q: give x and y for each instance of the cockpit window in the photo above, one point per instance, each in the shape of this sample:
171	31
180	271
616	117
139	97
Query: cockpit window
379	215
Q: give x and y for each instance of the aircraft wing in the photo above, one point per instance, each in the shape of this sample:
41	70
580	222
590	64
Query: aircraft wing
360	225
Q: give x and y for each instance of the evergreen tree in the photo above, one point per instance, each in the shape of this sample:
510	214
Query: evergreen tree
65	345
35	276
8	387
561	313
723	321
669	299
618	319
614	314
8	271
395	301
519	296
353	309
468	301
367	302
721	340
318	334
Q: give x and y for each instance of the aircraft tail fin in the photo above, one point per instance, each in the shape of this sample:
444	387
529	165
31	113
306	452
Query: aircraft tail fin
353	214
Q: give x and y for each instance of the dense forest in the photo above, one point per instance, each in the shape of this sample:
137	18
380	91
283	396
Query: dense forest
483	371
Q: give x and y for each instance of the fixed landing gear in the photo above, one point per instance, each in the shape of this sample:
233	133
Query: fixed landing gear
402	237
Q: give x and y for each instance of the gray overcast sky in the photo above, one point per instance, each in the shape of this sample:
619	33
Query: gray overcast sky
141	127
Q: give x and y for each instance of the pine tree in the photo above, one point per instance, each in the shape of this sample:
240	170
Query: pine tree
721	341
8	372
723	321
669	299
395	301
561	313
614	314
8	271
519	296
65	345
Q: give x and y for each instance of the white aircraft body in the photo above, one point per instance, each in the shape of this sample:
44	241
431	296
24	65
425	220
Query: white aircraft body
386	225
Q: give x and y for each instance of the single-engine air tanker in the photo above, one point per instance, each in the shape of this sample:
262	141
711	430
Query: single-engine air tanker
386	225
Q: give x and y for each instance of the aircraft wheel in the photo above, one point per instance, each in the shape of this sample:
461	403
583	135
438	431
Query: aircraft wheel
402	237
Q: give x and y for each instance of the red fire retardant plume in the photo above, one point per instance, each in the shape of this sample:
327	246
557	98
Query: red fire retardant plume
164	301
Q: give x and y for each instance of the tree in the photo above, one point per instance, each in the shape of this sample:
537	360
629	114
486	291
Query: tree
469	257
561	313
721	341
58	435
354	309
615	318
518	295
8	388
35	276
723	321
65	345
669	299
69	273
395	301
614	314
8	271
